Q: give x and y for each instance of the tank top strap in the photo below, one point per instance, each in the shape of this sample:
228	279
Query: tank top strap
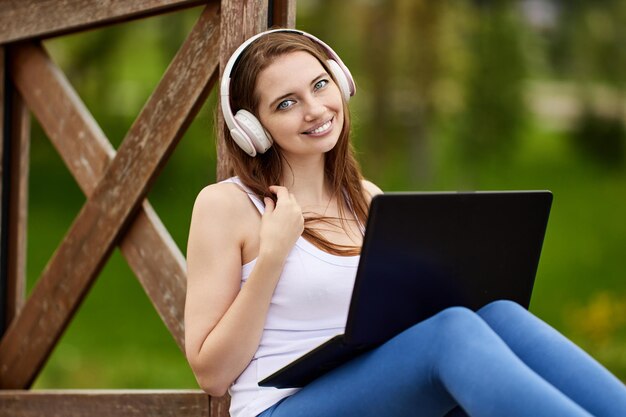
253	197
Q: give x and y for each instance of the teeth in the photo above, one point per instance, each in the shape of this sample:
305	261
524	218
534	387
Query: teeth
322	128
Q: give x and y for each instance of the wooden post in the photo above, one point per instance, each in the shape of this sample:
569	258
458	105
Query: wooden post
283	13
15	161
4	108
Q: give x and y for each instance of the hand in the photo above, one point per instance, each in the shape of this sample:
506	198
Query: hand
281	225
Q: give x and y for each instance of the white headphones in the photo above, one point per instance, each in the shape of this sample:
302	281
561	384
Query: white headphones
244	127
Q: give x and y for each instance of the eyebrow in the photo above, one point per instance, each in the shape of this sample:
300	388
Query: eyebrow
274	102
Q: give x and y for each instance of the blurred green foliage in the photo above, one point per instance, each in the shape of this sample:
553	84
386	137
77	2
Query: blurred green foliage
452	95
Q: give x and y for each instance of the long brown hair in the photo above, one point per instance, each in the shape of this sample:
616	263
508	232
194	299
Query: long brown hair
342	171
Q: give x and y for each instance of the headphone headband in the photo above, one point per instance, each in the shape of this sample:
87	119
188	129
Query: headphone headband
246	130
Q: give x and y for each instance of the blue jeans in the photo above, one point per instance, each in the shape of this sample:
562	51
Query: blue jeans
500	361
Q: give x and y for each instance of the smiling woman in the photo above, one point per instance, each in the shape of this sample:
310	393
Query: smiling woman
272	258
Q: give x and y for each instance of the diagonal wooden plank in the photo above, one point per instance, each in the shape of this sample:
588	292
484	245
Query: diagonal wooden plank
160	267
151	139
81	143
27	19
147	246
104	403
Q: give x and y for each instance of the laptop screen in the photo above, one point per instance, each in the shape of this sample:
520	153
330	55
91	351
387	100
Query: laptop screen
424	252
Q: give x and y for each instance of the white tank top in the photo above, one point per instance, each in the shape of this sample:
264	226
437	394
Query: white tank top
309	306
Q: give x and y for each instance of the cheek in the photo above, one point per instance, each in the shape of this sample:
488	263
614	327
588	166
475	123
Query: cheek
340	118
280	129
281	124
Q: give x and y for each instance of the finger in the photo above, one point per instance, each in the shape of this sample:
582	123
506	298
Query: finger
269	204
275	189
281	192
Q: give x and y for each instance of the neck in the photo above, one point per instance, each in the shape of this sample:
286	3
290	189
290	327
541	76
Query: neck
305	178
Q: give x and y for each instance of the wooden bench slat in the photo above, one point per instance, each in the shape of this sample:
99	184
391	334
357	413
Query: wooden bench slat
105	403
151	139
27	19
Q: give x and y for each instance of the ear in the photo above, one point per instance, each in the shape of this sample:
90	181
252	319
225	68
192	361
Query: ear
340	78
257	134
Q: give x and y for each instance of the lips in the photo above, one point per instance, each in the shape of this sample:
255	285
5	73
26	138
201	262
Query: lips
320	129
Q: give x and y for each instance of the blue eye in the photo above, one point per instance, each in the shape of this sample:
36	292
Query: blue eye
285	104
320	84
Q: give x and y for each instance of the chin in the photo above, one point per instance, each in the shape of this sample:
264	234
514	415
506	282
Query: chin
330	145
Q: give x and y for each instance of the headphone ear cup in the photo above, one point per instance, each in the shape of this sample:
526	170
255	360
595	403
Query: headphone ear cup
340	78
254	130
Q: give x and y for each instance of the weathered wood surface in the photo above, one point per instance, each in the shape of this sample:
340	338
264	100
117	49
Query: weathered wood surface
284	13
25	19
19	136
3	233
101	403
218	406
3	254
68	124
15	131
117	196
147	246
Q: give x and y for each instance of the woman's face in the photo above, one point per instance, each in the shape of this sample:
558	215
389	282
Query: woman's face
300	105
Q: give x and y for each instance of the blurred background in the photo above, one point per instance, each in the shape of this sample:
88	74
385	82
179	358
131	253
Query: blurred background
452	95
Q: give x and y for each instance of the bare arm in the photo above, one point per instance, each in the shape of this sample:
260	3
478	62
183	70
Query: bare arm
223	324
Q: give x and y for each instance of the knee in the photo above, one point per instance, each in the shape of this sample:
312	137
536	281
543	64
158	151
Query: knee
501	309
458	334
458	325
503	313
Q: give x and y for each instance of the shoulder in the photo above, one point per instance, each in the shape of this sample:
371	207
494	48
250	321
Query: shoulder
221	220
370	189
222	203
226	193
222	194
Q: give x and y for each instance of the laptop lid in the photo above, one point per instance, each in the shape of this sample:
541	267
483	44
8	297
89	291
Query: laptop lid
424	252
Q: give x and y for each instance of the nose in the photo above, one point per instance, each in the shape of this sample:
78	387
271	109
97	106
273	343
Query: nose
314	109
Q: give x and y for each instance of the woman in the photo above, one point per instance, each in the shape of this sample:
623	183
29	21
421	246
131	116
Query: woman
272	257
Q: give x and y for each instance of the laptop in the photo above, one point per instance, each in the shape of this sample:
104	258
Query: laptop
424	252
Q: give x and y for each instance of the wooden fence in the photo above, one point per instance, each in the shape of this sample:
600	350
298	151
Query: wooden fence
115	183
